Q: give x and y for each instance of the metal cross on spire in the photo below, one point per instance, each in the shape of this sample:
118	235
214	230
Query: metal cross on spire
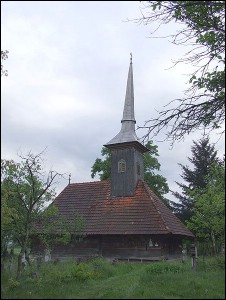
131	57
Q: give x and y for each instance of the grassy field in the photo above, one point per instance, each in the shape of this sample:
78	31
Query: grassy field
102	280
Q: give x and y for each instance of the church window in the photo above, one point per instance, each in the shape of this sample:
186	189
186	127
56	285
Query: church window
121	166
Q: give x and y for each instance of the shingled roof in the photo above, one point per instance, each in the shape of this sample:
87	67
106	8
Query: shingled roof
143	213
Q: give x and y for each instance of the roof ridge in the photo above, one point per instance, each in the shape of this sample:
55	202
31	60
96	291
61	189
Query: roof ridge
94	182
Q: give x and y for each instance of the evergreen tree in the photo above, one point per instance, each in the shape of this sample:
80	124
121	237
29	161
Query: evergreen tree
203	155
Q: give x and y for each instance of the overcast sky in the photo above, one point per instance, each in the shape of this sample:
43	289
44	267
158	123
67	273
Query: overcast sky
68	65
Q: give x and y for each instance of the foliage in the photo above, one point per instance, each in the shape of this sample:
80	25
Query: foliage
203	155
26	190
8	214
57	230
209	264
102	167
12	283
203	31
160	268
99	279
156	182
77	272
4	56
208	219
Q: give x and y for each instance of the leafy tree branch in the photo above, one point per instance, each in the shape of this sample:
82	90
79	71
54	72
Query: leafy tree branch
202	28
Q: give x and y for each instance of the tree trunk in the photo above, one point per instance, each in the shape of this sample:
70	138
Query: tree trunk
21	263
27	257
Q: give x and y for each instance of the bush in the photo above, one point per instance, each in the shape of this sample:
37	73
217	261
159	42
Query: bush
12	283
160	268
211	263
102	268
82	272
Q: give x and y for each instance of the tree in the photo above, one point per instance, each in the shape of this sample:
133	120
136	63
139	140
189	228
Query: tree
26	190
102	167
4	56
56	229
7	213
203	30
203	156
208	219
156	182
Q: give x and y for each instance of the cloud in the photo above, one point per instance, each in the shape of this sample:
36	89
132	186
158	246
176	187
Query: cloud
68	65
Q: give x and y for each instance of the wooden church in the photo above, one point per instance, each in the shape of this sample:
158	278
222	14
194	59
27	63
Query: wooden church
124	219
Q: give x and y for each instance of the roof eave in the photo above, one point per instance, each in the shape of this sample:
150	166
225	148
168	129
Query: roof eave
135	144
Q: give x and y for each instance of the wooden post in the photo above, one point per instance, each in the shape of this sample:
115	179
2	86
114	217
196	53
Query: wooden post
194	262
184	254
194	256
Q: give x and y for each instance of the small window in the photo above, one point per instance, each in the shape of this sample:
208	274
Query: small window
138	168
121	166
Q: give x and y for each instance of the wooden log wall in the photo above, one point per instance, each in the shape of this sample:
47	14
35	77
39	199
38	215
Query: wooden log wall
120	246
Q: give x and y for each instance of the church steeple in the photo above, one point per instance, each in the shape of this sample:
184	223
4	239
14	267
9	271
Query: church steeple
126	151
127	132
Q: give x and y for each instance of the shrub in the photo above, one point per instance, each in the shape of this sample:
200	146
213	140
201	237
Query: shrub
82	272
102	268
12	283
211	263
220	262
163	267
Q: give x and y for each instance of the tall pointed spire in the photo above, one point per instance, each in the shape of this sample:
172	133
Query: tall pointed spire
127	132
128	113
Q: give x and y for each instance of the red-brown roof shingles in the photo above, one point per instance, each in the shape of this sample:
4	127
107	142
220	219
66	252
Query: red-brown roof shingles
143	213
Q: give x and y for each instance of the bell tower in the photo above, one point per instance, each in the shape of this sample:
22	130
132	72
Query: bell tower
127	163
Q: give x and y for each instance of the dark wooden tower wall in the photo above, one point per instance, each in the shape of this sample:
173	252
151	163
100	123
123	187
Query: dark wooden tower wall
123	182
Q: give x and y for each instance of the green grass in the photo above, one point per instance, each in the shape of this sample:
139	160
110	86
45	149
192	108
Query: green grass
102	280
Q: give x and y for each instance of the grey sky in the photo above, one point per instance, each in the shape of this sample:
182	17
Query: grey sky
68	65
